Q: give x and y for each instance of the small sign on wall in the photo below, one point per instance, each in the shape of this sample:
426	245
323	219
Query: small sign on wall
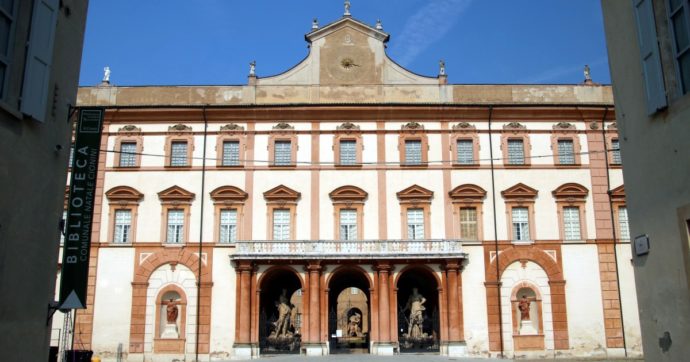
641	245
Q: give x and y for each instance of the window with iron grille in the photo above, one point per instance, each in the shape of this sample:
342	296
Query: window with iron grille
128	157
571	223
178	155
465	150
566	152
468	223
348	152
520	223
281	224
516	152
413	152
231	153
623	223
415	224
228	225
123	226
348	224
175	226
282	153
615	152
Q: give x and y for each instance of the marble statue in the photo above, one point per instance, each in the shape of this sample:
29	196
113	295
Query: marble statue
252	68
415	303
523	306
347	8
379	25
106	74
315	23
284	309
442	67
588	76
353	328
171	312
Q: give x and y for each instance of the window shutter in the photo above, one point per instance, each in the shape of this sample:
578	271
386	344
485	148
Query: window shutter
38	59
649	54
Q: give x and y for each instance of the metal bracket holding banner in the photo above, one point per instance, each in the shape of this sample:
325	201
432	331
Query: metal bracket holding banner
82	190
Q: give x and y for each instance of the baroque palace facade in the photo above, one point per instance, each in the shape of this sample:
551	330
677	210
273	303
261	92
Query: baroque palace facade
349	205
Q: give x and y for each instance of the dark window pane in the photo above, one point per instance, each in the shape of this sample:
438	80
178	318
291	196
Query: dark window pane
7	5
2	79
684	64
680	30
5	25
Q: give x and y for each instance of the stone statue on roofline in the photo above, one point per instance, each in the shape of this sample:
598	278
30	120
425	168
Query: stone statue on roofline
442	67
588	76
347	8
252	68
106	75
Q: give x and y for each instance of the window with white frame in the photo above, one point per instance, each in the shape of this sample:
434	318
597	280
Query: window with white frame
281	224
231	153
178	154
520	216
348	152
615	152
468	223
465	149
282	153
623	223
566	152
123	226
7	24
413	152
228	225
571	223
175	226
128	157
348	224
678	12
415	224
516	152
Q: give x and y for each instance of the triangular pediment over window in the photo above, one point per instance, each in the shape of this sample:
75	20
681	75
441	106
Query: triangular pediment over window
416	193
467	191
570	190
281	193
618	194
519	191
175	193
228	194
124	193
348	193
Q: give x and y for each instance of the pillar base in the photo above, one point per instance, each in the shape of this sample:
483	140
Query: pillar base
314	349
384	348
244	351
456	349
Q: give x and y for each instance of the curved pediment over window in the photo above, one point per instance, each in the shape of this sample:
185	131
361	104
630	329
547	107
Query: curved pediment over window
415	193
124	193
467	191
229	194
348	193
519	191
282	193
570	190
176	194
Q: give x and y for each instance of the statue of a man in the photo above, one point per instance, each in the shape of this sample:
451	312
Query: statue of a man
347	7
106	74
252	68
284	310
415	303
523	306
354	330
442	67
171	311
588	76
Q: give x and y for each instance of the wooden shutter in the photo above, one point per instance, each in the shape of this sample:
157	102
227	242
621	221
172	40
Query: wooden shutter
649	54
38	60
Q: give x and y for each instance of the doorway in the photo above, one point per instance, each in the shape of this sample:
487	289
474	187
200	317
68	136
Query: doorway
418	311
349	318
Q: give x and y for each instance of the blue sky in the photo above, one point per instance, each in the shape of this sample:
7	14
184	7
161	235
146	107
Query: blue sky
194	42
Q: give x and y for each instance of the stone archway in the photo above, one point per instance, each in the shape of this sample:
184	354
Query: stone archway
280	311
418	310
349	293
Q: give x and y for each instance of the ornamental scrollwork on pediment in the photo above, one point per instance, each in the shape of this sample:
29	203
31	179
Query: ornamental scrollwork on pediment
515	126
348	126
564	126
283	126
179	128
232	127
130	128
412	126
613	125
464	126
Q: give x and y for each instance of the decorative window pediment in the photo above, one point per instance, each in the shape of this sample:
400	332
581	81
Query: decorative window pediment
175	194
281	193
232	127
570	191
412	126
467	191
464	127
515	127
348	194
124	194
414	194
618	194
228	194
282	126
180	128
564	126
348	126
519	191
129	129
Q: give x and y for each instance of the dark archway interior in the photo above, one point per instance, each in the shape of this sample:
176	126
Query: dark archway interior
427	286
344	279
272	287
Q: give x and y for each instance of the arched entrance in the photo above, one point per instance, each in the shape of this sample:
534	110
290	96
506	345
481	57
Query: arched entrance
280	312
348	311
418	311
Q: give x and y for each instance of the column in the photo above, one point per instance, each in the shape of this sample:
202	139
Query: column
384	345
314	268
245	269
454	325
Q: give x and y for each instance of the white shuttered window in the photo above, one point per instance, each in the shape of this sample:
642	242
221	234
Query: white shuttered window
465	152
520	223
178	156
123	226
231	153
413	152
649	55
516	152
281	224
623	223
348	152
348	224
228	225
128	157
175	226
571	223
566	152
415	224
283	153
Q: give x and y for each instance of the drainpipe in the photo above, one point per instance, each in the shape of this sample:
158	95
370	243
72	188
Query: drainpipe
201	236
613	225
493	197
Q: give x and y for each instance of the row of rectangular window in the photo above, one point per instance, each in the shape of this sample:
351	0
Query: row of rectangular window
469	227
348	153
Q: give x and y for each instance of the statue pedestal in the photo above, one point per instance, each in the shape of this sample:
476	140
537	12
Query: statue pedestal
526	328
170	331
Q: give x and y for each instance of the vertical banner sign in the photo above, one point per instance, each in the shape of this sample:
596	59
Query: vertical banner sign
82	189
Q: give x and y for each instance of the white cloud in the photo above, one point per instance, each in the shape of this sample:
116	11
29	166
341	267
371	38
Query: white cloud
427	26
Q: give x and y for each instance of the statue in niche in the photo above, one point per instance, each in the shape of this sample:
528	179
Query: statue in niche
415	303
172	312
353	328
523	306
283	323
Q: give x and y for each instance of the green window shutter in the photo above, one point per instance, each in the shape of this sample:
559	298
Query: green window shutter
649	54
38	60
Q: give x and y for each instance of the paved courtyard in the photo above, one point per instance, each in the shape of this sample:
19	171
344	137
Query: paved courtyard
406	358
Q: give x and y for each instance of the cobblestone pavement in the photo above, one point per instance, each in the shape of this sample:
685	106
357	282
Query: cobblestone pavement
410	358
